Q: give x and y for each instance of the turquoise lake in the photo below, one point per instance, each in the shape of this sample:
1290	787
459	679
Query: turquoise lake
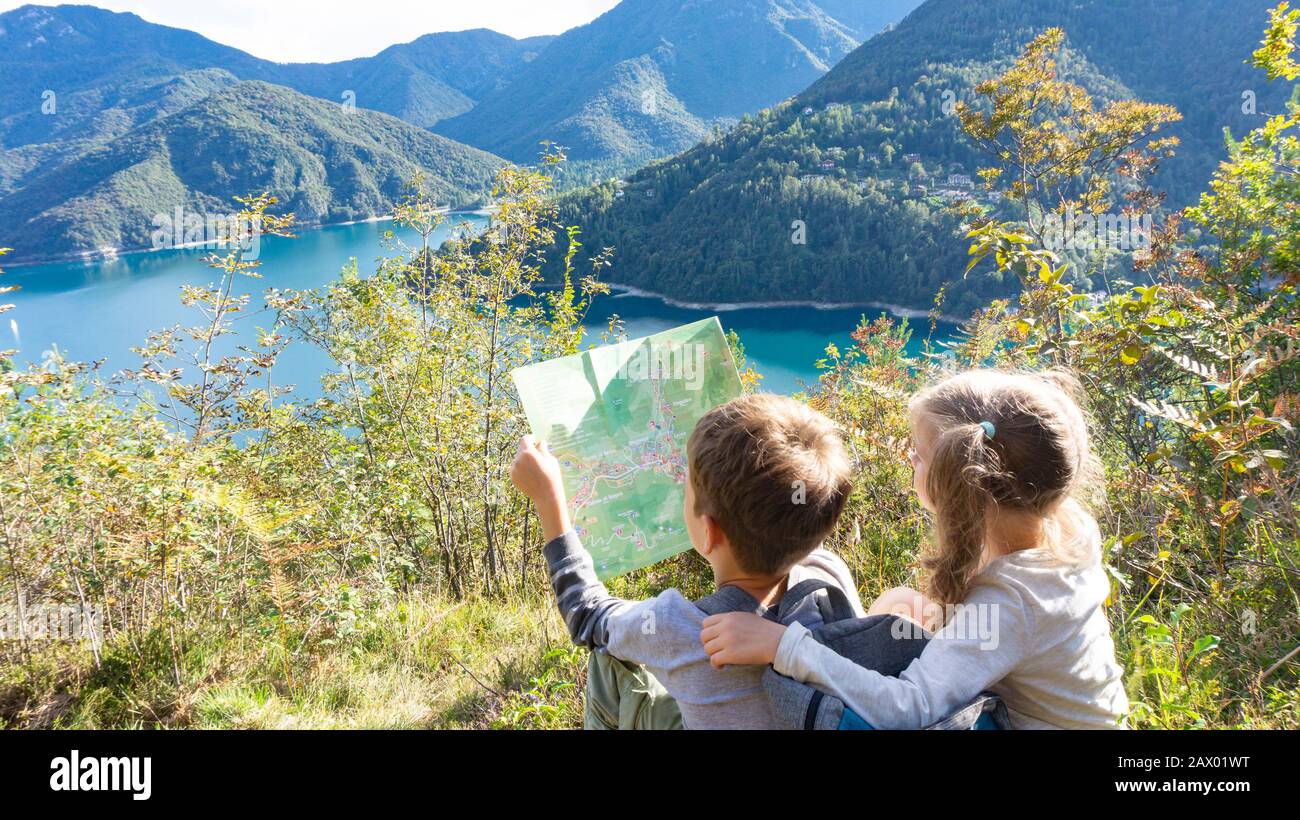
100	310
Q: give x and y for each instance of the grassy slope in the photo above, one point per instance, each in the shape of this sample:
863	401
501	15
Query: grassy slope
429	663
424	663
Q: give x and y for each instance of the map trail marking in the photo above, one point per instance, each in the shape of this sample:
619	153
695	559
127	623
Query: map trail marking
618	418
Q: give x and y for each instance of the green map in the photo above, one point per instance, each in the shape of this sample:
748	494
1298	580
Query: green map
618	419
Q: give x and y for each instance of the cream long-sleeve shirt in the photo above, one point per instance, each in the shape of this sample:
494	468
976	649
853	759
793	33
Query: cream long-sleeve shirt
1032	630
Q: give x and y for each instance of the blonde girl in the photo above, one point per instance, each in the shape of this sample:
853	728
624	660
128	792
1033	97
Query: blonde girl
1016	587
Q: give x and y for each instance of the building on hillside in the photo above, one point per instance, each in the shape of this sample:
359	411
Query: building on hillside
960	181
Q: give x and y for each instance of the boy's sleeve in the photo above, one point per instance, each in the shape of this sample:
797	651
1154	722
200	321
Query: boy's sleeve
585	604
661	633
955	666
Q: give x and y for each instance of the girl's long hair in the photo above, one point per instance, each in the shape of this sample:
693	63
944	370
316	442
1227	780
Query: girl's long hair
1038	460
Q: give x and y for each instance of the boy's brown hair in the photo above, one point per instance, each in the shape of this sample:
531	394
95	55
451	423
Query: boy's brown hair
774	474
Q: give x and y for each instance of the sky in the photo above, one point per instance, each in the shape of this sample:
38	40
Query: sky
329	30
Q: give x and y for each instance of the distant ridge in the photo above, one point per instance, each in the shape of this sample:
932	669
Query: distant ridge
650	77
326	164
87	56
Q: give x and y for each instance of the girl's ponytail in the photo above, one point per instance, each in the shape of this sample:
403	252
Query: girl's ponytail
1006	440
960	470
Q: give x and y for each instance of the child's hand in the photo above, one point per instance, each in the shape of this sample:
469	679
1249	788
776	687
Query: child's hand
536	474
740	638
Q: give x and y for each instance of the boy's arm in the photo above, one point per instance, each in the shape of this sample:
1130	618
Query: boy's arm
659	632
585	604
953	669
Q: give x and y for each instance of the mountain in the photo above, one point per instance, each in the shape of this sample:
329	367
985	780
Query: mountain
108	72
84	120
1187	54
326	162
864	18
831	197
82	72
429	79
107	120
650	77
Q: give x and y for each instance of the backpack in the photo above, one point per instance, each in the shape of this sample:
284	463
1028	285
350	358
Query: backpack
884	643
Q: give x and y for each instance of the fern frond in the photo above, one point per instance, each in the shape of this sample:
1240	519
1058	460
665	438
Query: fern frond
1208	372
1170	412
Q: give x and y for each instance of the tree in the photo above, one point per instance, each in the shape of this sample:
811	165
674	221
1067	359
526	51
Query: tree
1059	152
1063	157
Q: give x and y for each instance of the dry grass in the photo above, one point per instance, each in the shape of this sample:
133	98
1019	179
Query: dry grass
422	663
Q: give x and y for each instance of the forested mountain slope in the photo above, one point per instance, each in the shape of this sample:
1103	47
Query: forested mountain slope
835	196
325	163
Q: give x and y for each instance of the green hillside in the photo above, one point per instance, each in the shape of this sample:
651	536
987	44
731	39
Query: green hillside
858	159
99	63
325	162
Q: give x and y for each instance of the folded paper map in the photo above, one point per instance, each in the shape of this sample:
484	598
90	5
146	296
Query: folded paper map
618	419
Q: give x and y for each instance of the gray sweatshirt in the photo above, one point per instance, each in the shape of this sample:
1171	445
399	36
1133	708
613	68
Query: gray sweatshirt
1032	630
663	635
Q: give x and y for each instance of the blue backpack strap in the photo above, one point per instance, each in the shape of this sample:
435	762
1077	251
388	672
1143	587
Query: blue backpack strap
840	608
735	599
986	712
851	721
729	599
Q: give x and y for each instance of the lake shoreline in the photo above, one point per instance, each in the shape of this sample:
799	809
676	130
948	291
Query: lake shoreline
94	310
726	307
898	311
109	254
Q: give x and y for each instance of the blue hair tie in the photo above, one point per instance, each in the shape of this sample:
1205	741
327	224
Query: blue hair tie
989	430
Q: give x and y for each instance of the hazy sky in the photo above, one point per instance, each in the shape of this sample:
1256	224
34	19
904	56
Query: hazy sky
327	30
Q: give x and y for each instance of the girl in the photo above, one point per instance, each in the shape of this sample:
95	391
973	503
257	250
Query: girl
1016	586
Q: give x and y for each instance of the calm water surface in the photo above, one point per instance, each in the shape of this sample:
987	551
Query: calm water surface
100	310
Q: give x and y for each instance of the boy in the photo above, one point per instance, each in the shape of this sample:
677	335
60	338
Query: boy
767	480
